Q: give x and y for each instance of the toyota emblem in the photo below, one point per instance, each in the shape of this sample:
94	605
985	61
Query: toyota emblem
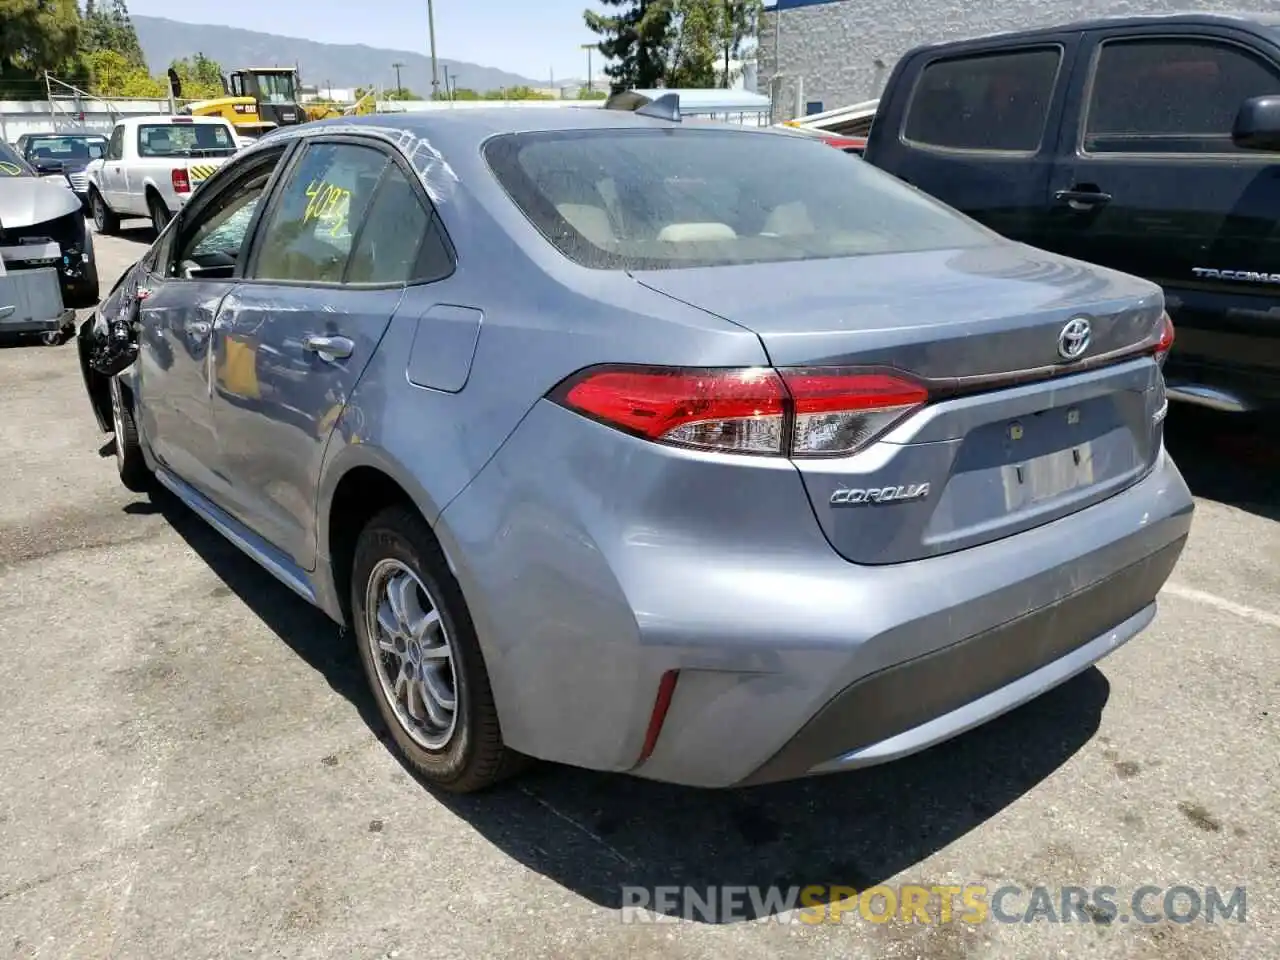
1073	341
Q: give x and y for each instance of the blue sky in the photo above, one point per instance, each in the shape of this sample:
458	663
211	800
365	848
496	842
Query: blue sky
528	37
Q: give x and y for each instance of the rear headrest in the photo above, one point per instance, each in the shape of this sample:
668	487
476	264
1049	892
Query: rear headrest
590	221
696	232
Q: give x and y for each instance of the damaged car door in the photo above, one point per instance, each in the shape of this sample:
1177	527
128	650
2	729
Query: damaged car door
177	314
310	310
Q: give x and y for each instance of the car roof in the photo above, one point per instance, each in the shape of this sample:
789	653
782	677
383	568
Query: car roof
63	133
1219	18
443	145
454	130
166	118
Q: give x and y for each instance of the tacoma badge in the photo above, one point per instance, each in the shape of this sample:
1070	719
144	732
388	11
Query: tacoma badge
874	496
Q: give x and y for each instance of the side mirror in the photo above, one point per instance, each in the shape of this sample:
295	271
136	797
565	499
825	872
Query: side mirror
1257	125
48	166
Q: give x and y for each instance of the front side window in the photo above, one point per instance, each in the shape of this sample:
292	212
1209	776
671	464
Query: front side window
185	140
213	236
661	198
115	149
1171	95
276	87
994	101
310	232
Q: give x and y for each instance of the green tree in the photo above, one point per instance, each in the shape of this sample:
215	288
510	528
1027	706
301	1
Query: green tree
589	93
736	23
107	26
201	77
637	38
114	75
694	47
35	36
404	93
515	93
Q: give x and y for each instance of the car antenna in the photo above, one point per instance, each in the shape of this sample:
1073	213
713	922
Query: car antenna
665	107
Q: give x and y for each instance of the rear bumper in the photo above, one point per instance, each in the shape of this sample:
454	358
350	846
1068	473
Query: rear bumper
914	705
588	582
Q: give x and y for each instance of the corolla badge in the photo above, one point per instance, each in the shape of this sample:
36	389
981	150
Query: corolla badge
876	496
1073	341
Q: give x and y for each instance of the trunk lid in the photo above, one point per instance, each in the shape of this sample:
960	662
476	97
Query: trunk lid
1014	434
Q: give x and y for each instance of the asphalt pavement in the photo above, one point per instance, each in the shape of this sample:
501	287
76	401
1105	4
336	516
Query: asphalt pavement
190	766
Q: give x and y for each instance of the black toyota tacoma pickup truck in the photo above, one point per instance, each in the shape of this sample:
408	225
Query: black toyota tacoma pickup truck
1146	144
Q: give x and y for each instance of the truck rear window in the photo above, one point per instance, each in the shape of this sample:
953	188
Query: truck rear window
991	101
656	198
185	140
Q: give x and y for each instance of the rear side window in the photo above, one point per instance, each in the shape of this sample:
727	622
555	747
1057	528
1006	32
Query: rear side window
994	101
310	232
655	198
401	240
1171	95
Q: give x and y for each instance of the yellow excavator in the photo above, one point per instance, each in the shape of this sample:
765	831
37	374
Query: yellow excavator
259	99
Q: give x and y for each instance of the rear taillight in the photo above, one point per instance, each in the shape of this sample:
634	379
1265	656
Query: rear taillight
1165	343
181	182
798	412
838	411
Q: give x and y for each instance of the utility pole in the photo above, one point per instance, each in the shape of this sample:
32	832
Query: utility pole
399	89
590	78
431	26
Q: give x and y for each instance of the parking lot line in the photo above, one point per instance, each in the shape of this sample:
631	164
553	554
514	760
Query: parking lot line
1222	603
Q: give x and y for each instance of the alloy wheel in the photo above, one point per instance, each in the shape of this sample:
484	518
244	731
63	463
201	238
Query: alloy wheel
413	654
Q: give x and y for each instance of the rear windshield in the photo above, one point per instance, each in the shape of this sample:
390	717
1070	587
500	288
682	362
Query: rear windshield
67	148
655	198
185	140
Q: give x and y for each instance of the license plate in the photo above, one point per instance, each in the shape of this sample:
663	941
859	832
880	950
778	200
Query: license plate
1051	475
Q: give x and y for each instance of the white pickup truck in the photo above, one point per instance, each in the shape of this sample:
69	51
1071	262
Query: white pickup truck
151	166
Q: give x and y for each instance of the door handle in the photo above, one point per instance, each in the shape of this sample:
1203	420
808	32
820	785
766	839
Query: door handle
1083	199
328	348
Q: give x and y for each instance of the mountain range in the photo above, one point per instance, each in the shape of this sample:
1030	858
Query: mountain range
339	65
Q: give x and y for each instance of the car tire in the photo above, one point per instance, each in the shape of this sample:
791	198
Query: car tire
421	651
104	220
160	215
130	462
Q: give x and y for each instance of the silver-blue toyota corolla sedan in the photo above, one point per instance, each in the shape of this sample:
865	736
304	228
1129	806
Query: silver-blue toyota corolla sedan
702	453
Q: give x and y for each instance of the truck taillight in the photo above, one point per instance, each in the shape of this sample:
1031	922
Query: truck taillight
798	412
181	182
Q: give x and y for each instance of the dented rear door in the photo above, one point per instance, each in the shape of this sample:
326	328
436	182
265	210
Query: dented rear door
286	360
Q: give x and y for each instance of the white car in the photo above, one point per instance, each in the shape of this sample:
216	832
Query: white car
152	166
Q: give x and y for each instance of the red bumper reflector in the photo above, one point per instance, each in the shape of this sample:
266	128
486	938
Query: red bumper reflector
661	704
